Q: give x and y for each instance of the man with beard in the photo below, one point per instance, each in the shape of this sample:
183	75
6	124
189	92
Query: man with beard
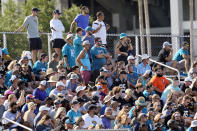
82	20
31	23
99	56
159	81
13	115
143	66
91	118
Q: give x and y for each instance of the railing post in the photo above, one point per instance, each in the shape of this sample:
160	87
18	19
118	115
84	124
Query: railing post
4	40
49	46
137	48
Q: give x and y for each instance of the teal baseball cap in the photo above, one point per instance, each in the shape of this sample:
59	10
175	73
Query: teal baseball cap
5	51
122	35
89	28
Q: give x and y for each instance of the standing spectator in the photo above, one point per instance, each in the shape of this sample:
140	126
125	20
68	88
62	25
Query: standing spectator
124	48
159	81
82	20
31	23
90	118
165	54
57	36
40	93
84	61
131	61
89	36
68	53
99	55
79	123
99	27
77	42
144	66
13	114
186	84
54	62
172	125
181	58
40	67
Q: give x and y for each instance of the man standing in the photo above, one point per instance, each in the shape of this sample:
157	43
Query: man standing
31	23
77	42
82	20
68	53
99	55
57	36
165	54
100	29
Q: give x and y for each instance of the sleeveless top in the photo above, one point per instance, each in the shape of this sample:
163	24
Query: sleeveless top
86	62
123	57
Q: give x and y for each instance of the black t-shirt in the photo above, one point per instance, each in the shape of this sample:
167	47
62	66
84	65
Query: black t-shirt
119	100
183	87
129	102
137	95
184	110
43	127
162	55
122	84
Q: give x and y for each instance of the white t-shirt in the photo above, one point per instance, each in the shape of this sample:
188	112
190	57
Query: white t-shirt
102	33
59	27
91	120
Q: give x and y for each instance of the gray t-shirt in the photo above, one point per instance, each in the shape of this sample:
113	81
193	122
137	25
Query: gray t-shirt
31	22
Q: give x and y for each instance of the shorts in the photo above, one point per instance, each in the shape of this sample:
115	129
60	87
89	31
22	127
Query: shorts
58	43
35	43
86	76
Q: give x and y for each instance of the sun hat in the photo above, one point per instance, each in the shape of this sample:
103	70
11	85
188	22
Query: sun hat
28	54
122	35
53	78
140	102
44	108
49	71
31	104
74	76
60	83
145	56
80	88
86	42
107	98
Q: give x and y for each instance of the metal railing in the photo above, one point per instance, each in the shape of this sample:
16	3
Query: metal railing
178	75
27	128
99	130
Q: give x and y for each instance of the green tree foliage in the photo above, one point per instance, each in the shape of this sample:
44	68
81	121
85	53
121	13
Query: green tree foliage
14	16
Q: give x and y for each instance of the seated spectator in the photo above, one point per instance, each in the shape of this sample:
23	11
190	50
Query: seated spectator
2	107
60	118
60	88
101	81
76	70
181	58
30	115
3	88
131	61
142	125
194	87
172	125
79	123
165	54
193	126
68	125
178	119
145	78
26	74
54	62
40	67
149	92
72	84
117	94
138	92
51	84
160	119
28	55
29	98
91	118
128	98
12	114
159	81
174	86
157	107
19	89
132	76
186	84
40	93
55	108
44	124
48	103
143	66
43	110
106	103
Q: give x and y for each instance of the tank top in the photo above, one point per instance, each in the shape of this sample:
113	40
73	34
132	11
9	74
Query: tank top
123	57
86	62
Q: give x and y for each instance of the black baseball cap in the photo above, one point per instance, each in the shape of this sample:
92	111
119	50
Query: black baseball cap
57	12
35	9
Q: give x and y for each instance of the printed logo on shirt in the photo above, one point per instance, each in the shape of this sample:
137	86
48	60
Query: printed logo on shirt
94	123
72	53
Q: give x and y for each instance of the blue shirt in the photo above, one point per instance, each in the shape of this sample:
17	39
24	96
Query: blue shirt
38	66
97	63
178	56
82	21
91	40
39	94
8	77
147	94
134	68
102	111
106	123
25	108
132	78
70	86
144	110
141	69
189	129
77	43
68	51
168	91
73	115
86	62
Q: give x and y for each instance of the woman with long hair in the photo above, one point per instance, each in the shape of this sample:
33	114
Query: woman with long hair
44	124
60	117
30	115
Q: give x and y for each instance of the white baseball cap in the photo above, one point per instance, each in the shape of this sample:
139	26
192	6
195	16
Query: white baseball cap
86	42
145	56
188	79
44	108
194	123
60	83
166	43
44	83
13	77
131	57
28	54
69	36
80	88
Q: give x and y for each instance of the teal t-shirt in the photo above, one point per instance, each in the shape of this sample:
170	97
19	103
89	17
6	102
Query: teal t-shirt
178	56
77	45
97	63
73	115
68	50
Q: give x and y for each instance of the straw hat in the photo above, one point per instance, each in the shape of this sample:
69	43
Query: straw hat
140	102
53	79
31	104
49	71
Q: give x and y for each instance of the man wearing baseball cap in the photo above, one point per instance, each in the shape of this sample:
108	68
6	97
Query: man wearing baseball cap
40	93
60	88
31	23
186	84
68	53
143	66
131	61
181	58
89	36
57	29
166	53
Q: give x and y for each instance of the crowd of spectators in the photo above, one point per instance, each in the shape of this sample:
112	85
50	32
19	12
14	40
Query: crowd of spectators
83	87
